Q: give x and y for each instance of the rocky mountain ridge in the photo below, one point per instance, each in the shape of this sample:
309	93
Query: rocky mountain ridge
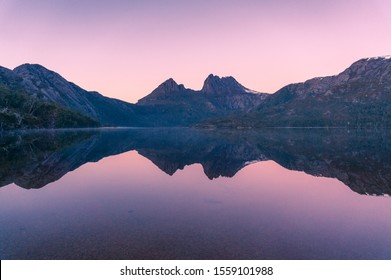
360	96
170	104
217	94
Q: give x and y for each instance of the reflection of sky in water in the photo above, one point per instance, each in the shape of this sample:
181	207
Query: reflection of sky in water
125	207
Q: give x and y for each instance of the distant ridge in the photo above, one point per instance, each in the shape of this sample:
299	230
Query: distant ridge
213	86
360	96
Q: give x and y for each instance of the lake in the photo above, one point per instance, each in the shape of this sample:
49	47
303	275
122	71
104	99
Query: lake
195	194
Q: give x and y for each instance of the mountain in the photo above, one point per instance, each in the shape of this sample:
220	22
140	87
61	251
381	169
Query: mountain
360	96
19	110
166	92
171	104
217	94
228	94
50	86
42	86
214	85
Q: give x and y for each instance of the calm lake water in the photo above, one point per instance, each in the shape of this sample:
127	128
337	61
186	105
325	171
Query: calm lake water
188	194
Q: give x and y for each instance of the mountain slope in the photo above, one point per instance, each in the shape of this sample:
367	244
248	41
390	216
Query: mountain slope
20	111
50	86
359	96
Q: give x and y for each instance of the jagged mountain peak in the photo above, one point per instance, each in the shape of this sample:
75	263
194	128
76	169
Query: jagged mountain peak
213	76
373	61
217	95
373	70
224	85
385	57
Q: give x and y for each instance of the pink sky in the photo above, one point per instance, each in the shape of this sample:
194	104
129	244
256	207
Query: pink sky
125	49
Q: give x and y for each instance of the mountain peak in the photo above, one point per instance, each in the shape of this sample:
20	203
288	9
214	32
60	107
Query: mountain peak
31	65
164	90
374	69
379	57
36	72
225	85
170	81
216	78
373	61
168	86
30	68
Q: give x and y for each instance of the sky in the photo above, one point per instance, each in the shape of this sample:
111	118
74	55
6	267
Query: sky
125	49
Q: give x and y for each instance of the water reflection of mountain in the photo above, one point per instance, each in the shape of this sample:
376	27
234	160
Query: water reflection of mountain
360	159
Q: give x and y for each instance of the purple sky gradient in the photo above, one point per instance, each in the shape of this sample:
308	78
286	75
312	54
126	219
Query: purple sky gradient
124	49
